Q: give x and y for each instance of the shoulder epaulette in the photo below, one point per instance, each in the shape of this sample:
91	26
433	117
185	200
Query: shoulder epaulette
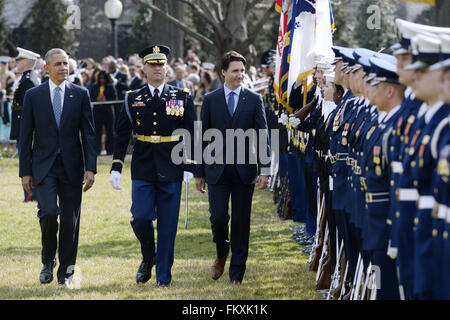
129	91
186	90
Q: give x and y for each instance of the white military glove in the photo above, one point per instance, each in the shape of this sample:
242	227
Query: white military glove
114	179
283	119
293	121
187	176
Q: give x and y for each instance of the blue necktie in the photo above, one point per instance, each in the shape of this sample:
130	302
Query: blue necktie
231	103
57	105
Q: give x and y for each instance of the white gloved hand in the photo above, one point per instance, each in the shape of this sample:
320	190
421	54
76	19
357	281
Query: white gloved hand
187	176
293	121
114	179
283	119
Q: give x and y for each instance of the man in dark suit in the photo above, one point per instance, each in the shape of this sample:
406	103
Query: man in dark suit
135	82
57	155
180	81
232	107
120	83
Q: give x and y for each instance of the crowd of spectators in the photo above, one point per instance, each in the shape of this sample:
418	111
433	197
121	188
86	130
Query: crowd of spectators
108	80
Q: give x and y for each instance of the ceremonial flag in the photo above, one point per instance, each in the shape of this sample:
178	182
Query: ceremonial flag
282	8
324	38
303	32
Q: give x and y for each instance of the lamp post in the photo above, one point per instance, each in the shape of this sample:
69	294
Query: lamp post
113	10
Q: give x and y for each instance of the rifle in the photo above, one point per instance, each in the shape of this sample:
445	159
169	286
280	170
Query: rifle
318	237
335	278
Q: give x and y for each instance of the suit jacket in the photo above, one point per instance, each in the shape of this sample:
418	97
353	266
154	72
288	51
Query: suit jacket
136	83
186	84
41	140
121	85
249	114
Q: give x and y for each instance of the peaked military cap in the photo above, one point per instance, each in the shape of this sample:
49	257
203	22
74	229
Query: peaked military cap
385	70
444	54
337	53
357	54
27	54
268	58
425	51
156	54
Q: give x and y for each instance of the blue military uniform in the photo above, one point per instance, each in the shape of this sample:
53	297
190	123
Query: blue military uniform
377	177
156	178
27	81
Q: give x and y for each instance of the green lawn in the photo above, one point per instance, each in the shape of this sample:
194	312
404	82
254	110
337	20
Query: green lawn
109	254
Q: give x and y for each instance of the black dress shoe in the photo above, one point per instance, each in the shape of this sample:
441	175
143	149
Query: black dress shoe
163	284
46	275
144	272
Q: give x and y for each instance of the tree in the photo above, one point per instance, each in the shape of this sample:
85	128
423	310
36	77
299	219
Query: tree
442	13
375	26
47	28
3	33
229	21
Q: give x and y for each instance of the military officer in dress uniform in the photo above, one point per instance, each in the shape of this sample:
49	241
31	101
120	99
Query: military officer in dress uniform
153	113
423	158
25	60
441	211
388	98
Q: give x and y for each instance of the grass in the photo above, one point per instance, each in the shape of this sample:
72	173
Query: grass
109	254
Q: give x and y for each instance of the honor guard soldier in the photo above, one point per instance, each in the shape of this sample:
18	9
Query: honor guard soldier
423	156
154	112
25	62
441	212
388	98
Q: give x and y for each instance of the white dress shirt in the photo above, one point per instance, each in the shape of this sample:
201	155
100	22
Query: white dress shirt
152	89
53	86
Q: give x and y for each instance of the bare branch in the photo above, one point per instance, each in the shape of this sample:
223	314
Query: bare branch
257	28
208	42
206	15
218	10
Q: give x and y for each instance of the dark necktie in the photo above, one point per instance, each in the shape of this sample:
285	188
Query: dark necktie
156	96
231	103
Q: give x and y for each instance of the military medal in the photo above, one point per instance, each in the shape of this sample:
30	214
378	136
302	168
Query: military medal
443	167
344	141
372	129
378	170
376	155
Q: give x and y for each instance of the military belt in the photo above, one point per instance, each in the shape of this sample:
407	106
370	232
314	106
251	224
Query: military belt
340	157
409	194
157	139
372	197
357	170
425	202
397	167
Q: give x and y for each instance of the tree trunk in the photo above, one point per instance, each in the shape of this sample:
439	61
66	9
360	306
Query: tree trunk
442	13
166	33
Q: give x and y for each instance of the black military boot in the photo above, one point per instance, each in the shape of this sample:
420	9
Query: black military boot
46	275
144	272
